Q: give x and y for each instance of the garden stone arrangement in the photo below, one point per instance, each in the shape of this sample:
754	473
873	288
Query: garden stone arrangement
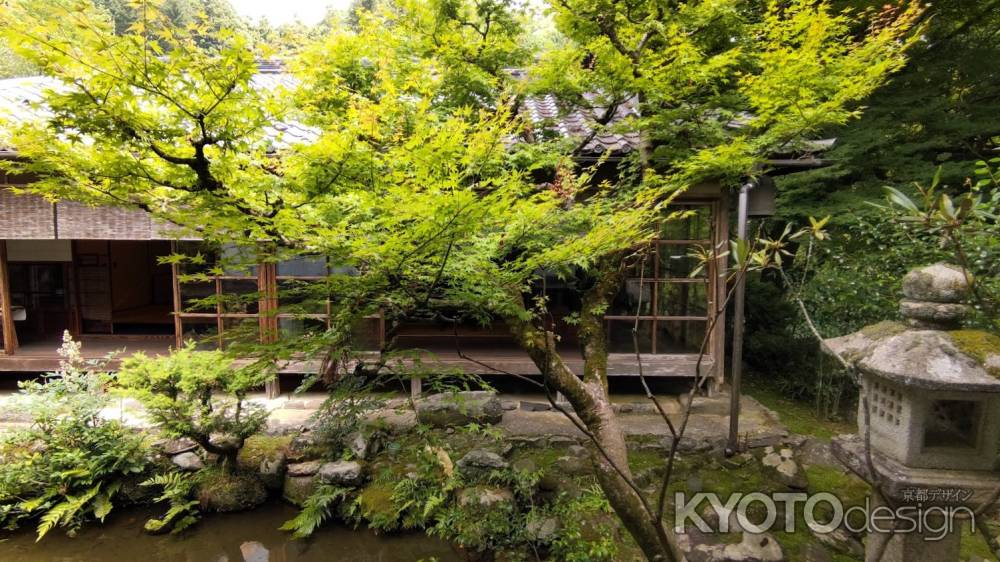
501	477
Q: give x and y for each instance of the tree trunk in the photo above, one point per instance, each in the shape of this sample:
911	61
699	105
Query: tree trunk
227	452
590	402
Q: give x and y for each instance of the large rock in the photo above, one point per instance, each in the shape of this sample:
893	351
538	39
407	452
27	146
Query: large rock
344	473
525	466
303	446
188	462
481	460
272	471
816	553
698	546
223	492
254	551
360	446
171	447
543	529
297	489
453	409
841	541
817	452
485	496
304	468
553	484
572	465
932	314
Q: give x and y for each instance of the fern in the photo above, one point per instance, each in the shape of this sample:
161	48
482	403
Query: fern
315	511
183	510
64	513
37	502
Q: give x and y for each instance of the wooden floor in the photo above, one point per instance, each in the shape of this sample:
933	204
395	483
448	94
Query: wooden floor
482	360
43	356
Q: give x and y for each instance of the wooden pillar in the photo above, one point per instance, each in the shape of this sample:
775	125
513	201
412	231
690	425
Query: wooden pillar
267	287
220	322
178	307
6	316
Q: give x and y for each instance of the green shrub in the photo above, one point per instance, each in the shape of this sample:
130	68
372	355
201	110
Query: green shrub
70	464
199	395
586	532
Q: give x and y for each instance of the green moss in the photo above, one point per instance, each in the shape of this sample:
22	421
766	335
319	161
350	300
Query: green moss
645	460
221	491
727	481
376	505
796	543
260	447
544	459
884	329
978	345
848	487
798	416
973	544
852	490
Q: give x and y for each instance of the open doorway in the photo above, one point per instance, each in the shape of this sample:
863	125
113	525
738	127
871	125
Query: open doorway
122	288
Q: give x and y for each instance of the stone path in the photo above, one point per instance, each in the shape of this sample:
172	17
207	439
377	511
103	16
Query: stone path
525	417
708	426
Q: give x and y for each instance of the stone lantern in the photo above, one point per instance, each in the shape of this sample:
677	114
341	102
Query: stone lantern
933	407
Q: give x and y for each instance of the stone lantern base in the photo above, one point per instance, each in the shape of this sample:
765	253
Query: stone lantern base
918	487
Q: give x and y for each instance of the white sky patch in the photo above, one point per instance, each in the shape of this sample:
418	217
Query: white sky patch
277	12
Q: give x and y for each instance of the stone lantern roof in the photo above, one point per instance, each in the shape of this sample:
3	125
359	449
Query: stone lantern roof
926	351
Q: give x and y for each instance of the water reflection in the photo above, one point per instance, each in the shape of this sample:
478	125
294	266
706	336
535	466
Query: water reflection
218	538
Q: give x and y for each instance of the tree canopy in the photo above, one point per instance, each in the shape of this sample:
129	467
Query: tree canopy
408	170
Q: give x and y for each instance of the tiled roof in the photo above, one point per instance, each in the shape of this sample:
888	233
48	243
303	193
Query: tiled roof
545	113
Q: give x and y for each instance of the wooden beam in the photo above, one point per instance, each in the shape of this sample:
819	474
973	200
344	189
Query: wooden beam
6	316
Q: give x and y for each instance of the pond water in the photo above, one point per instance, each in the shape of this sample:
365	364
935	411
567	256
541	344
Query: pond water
218	538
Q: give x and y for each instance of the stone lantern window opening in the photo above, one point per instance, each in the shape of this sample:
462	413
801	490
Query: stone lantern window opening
953	424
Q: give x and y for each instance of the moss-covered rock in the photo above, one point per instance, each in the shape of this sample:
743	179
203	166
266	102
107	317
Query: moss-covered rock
297	489
267	455
225	492
261	447
455	409
376	506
